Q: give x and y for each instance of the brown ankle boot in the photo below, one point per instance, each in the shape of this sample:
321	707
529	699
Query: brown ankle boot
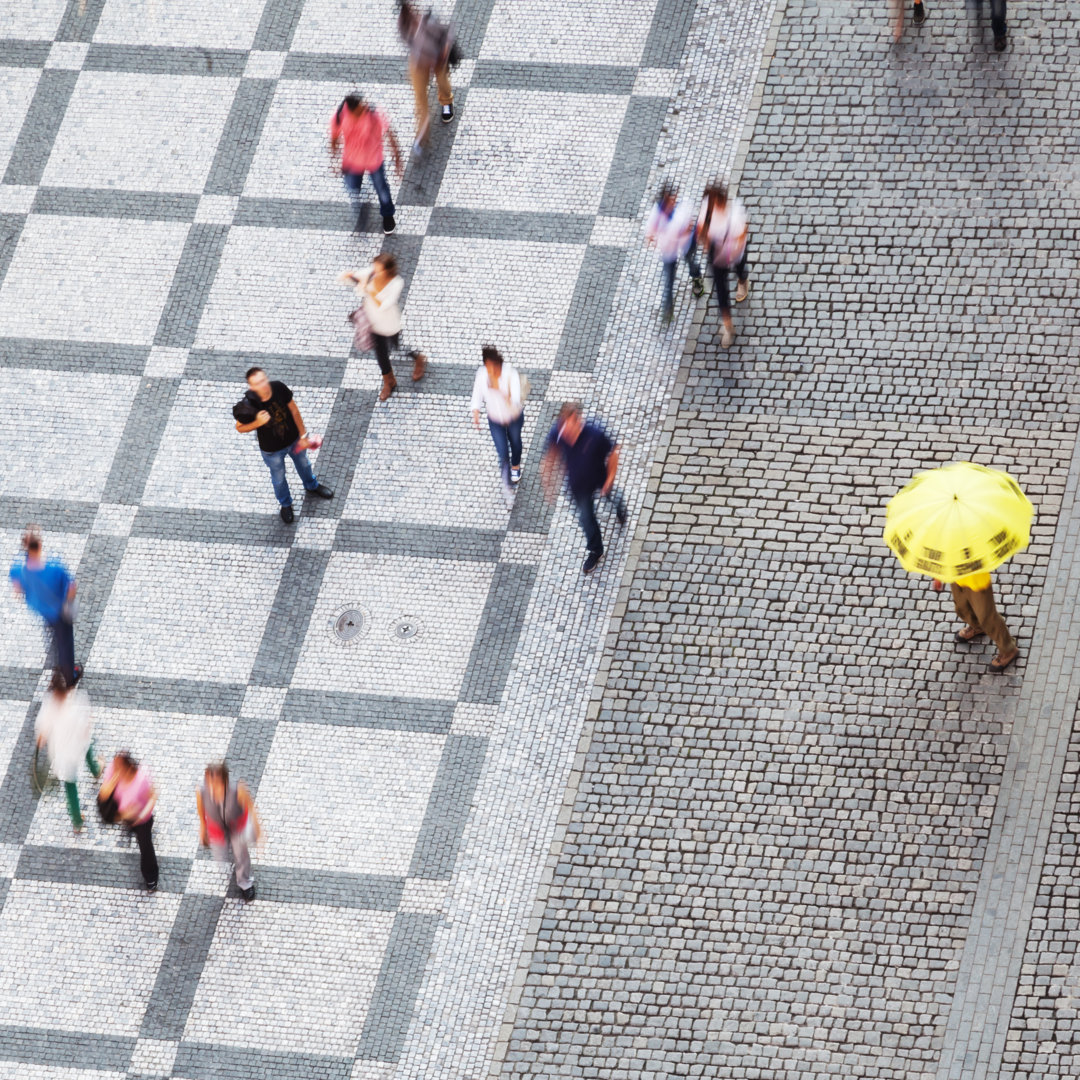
419	366
389	385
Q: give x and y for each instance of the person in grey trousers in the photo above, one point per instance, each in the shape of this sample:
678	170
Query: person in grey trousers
227	818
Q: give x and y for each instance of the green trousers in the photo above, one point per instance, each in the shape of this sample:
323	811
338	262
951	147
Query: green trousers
71	789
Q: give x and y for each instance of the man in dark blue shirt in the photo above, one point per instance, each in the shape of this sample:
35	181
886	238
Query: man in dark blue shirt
50	591
589	459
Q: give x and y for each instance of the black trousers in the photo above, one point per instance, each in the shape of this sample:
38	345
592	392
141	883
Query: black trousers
147	856
382	346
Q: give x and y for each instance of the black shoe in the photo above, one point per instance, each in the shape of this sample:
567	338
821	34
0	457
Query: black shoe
323	492
248	893
77	672
287	515
447	113
620	512
1000	43
388	225
151	886
589	565
918	14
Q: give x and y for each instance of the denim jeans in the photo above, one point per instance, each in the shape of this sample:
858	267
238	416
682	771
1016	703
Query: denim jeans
997	17
275	462
355	180
668	302
586	512
62	651
721	276
507	439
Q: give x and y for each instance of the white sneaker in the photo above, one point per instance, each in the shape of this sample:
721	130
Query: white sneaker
515	474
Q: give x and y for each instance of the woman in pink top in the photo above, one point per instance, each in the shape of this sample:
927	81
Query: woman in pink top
361	128
131	788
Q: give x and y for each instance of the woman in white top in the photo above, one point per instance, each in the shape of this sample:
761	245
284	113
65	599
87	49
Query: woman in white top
497	388
379	288
722	231
63	724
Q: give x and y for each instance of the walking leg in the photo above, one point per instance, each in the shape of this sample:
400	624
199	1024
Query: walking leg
71	792
148	863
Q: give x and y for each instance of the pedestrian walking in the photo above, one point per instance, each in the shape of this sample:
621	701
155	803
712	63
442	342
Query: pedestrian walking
723	232
379	287
431	52
670	229
50	590
918	16
227	819
997	22
362	128
589	460
497	390
268	409
127	795
973	598
64	725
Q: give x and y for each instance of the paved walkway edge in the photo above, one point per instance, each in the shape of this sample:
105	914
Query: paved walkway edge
981	1011
622	601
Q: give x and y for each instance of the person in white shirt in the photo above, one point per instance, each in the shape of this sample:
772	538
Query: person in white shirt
379	288
64	726
671	230
497	389
723	231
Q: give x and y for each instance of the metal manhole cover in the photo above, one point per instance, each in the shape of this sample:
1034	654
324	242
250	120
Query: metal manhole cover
348	624
407	628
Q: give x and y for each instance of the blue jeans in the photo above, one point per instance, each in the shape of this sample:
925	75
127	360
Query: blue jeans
668	302
62	651
275	462
355	180
507	438
586	512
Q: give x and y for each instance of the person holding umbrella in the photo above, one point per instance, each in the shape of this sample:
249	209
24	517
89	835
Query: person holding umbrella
957	524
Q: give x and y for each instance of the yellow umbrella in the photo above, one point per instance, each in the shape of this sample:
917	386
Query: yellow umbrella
958	520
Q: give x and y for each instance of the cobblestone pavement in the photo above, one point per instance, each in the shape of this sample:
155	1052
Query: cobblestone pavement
807	834
167	218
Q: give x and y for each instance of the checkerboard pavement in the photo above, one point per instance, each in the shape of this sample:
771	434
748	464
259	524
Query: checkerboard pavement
167	219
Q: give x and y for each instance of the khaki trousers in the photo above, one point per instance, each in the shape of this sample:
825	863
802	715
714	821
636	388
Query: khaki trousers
420	78
977	609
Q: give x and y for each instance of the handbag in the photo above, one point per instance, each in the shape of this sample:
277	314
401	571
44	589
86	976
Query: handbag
362	340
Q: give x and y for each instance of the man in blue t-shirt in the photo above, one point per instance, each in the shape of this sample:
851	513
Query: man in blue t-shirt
50	591
589	459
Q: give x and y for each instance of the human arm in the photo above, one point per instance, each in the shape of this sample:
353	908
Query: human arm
261	417
550	472
477	402
395	149
204	839
108	782
243	796
938	585
612	466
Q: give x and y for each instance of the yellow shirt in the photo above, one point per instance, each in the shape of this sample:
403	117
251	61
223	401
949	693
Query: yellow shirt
978	582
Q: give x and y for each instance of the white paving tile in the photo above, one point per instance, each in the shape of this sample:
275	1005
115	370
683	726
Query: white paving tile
17	87
201	23
36	21
340	26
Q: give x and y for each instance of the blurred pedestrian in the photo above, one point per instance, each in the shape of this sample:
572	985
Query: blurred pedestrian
723	232
49	589
671	229
362	128
497	389
918	16
127	791
431	51
65	727
379	287
997	23
268	409
227	819
589	460
973	598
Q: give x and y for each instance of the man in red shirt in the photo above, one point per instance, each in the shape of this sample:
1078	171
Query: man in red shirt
361	127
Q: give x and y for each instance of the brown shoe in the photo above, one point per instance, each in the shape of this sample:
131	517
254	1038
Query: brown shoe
742	292
419	366
1002	661
389	385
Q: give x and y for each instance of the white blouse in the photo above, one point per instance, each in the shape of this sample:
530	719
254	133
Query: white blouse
504	405
381	309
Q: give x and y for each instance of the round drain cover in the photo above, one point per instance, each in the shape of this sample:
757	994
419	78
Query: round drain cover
348	624
406	628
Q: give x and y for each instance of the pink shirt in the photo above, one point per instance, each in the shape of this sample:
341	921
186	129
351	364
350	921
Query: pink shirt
135	797
363	137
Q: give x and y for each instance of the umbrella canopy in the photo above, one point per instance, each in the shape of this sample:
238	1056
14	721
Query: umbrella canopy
958	520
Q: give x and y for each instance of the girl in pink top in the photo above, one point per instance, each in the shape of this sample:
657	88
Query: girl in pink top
130	787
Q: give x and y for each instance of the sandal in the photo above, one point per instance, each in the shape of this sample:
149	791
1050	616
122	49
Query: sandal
967	635
998	668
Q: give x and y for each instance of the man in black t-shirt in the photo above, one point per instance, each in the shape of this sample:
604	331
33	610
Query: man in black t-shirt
281	433
589	459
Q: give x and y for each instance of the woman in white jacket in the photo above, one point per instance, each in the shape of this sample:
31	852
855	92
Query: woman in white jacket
379	288
64	725
497	389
